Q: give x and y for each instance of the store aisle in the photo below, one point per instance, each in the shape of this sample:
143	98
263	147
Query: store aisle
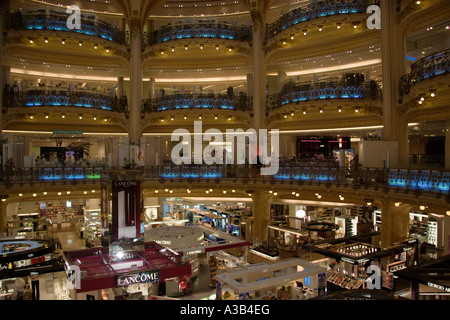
70	241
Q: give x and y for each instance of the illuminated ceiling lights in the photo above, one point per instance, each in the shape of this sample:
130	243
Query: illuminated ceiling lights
63	41
45	39
338	25
305	32
320	28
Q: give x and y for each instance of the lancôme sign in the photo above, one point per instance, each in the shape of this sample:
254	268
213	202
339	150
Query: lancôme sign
143	277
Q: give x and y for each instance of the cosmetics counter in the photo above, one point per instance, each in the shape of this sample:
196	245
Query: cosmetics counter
89	227
291	279
20	258
27	226
428	281
426	227
350	258
235	215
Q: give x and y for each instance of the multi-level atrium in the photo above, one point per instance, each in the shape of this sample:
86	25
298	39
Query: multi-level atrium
352	97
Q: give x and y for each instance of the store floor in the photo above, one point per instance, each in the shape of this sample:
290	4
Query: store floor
200	285
69	240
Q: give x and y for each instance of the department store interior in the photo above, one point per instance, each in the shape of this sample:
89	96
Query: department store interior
100	99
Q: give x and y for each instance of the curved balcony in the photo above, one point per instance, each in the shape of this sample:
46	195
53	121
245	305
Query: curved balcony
200	30
428	181
199	101
425	68
57	21
317	10
296	93
64	98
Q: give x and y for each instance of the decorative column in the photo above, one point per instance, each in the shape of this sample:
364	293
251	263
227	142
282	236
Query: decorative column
104	207
259	71
2	80
393	68
282	76
447	144
135	82
3	216
151	88
250	84
119	87
261	215
394	222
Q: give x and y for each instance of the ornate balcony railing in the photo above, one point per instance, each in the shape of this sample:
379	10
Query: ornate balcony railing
431	181
57	21
322	91
317	10
425	68
200	30
64	98
199	101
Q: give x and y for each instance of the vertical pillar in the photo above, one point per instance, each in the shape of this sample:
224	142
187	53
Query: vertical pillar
367	75
447	144
151	88
261	215
104	206
119	87
282	76
250	84
2	80
393	69
3	216
259	74
135	82
394	222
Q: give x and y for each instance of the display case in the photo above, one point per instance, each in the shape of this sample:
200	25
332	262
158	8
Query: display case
432	233
377	220
61	290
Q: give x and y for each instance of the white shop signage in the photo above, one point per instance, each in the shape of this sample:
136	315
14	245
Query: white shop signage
438	286
143	277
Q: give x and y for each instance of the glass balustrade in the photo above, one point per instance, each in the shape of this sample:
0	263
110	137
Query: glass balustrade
434	181
63	98
425	68
57	21
200	30
200	101
316	10
296	93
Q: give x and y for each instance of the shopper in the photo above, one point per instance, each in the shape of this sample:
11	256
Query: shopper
34	286
20	288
